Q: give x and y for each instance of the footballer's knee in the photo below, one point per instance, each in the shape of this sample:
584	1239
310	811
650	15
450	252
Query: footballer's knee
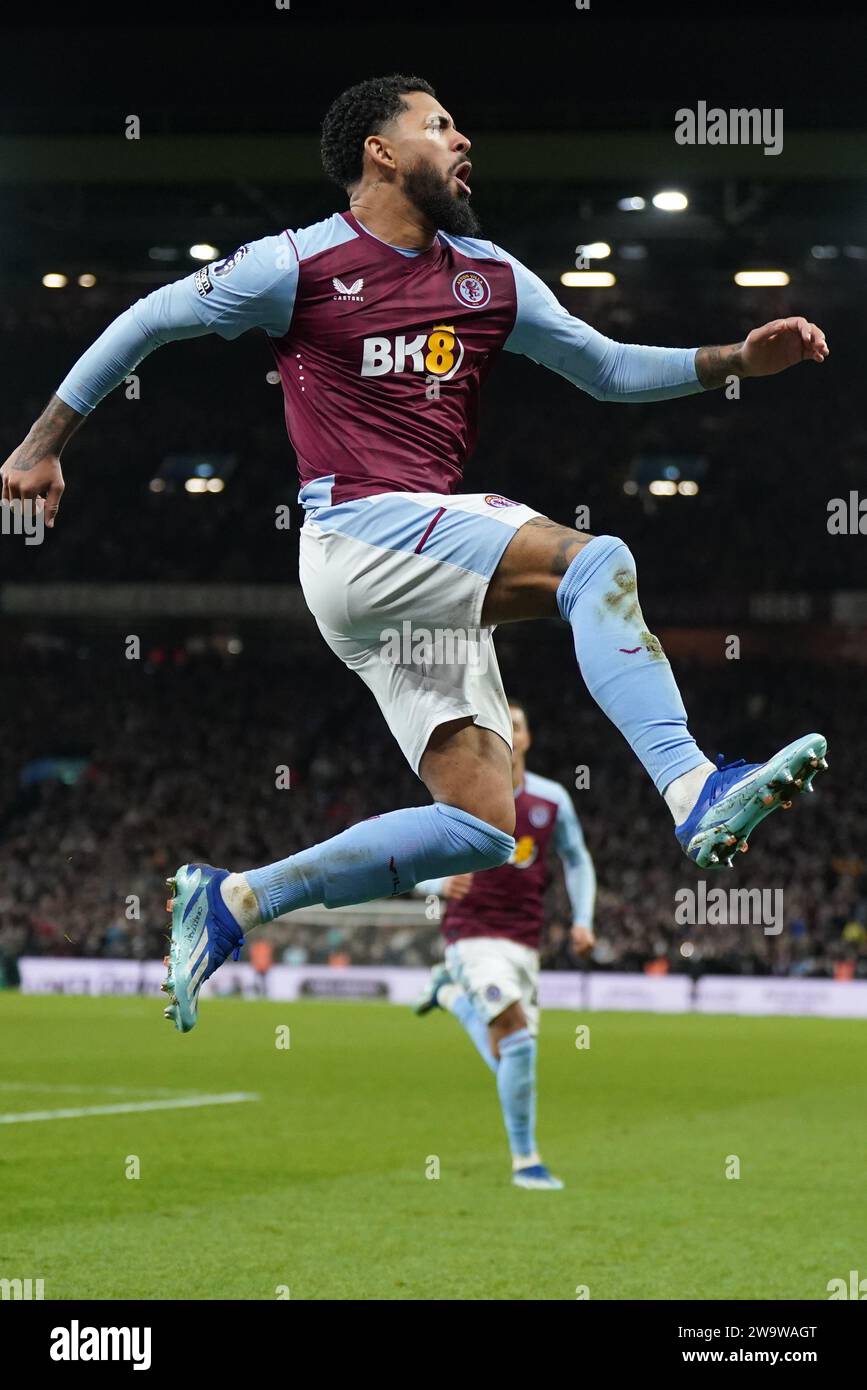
494	809
495	812
511	1020
470	768
525	582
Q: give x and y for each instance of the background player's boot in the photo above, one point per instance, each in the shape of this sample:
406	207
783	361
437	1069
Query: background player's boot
538	1178
204	933
738	795
427	1000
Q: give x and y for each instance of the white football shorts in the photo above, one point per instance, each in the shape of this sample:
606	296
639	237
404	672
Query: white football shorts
496	972
396	583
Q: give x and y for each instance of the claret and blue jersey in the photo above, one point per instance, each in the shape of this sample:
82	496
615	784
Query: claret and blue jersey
382	351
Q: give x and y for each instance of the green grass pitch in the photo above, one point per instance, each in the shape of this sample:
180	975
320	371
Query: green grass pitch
320	1186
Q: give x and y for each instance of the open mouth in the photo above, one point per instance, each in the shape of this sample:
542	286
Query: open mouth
461	176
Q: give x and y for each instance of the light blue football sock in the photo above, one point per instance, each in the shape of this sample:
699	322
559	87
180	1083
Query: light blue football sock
380	858
623	665
462	1008
516	1084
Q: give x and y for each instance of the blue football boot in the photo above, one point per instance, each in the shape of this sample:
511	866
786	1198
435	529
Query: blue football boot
738	795
204	933
538	1178
427	1000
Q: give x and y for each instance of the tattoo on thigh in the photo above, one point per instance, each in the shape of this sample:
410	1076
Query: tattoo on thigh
565	554
568	543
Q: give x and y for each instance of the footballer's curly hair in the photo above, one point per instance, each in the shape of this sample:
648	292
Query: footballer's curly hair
360	111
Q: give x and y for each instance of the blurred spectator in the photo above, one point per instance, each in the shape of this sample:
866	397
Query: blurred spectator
180	766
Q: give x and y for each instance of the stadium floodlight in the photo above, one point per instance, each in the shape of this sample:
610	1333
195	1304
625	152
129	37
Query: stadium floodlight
824	253
157	484
87	281
204	251
215	485
595	250
753	279
588	279
663	487
669	200
687	488
631	204
196	485
55	281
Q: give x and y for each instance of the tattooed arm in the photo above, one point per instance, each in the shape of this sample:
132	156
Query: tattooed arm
714	364
254	288
33	470
764	352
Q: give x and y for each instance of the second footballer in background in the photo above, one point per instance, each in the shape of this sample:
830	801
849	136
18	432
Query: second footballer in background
492	927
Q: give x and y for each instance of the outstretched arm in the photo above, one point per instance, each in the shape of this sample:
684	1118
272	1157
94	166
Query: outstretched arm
578	871
452	886
33	470
764	352
253	289
609	371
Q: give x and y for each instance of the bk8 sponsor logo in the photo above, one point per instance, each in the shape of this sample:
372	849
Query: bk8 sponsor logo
438	353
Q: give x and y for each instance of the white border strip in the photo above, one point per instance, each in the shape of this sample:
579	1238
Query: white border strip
558	989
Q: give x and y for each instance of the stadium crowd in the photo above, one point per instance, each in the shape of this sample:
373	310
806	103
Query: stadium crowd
541	441
178	756
178	751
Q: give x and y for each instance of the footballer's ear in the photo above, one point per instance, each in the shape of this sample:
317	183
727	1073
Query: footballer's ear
379	151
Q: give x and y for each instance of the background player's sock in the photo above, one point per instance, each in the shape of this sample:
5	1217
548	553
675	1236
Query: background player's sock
458	1002
516	1084
377	858
623	665
525	1160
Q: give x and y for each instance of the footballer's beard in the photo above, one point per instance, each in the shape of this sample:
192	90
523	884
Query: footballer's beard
432	196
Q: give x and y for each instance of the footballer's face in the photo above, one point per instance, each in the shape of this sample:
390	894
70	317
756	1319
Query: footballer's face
430	158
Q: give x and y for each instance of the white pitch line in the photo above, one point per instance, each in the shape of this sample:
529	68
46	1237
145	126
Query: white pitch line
53	1088
182	1103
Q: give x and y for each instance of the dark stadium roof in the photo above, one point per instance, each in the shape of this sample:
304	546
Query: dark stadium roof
569	110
